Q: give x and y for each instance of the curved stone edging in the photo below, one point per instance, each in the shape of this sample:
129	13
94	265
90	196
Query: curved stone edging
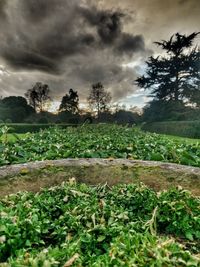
17	168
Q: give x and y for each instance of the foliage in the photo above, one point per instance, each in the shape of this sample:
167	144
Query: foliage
126	117
160	110
98	141
98	226
32	128
14	101
179	214
99	98
15	109
177	75
38	95
43	120
180	128
70	102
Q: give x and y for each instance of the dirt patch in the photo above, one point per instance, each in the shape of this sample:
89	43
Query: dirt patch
158	176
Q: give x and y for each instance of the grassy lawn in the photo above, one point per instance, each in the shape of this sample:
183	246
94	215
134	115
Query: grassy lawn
181	139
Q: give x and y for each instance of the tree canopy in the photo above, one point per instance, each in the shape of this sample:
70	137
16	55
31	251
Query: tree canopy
70	102
14	108
38	95
99	98
176	75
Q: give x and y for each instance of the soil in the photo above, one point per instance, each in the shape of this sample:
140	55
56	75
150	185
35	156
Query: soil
156	175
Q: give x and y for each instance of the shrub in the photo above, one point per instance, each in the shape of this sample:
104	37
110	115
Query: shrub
43	120
8	121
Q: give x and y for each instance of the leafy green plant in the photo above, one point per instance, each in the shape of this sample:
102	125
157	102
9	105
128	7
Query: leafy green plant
4	146
100	141
98	226
179	214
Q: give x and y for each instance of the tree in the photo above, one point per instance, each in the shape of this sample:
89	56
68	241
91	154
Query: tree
70	102
15	101
161	110
38	95
175	76
15	108
99	99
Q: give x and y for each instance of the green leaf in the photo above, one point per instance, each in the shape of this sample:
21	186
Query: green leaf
101	238
189	236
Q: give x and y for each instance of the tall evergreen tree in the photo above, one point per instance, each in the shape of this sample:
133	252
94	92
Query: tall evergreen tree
175	76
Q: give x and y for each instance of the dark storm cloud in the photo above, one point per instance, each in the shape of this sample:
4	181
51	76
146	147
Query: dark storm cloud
2	10
129	43
39	39
108	23
38	10
21	60
72	44
109	29
41	34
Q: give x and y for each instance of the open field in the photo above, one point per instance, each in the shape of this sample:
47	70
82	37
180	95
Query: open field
15	136
99	141
182	139
190	129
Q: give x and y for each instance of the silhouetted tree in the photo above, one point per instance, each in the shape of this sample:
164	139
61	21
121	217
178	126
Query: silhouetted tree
175	76
99	99
126	117
15	108
70	102
38	95
15	101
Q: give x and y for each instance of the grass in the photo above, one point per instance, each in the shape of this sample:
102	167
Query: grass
181	139
190	129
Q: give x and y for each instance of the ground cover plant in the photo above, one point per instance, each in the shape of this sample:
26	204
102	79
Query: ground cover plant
97	141
21	128
79	225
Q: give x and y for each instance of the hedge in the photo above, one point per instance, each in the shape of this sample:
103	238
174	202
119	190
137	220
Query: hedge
24	127
189	129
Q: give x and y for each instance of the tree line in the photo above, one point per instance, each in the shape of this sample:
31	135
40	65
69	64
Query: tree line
172	80
32	107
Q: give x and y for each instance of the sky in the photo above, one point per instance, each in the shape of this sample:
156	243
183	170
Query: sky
76	43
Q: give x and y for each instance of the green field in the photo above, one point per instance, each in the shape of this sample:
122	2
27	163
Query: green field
98	141
181	139
190	129
77	225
